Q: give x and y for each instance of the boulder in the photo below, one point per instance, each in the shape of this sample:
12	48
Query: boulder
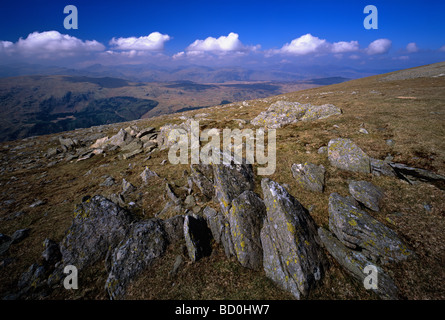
144	132
174	228
120	139
146	242
416	175
310	176
320	112
292	256
246	220
358	230
127	187
197	237
346	155
355	262
381	167
147	174
367	194
98	226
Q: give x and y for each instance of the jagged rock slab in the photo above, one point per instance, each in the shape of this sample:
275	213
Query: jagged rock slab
197	237
174	228
415	175
202	177
292	256
310	176
355	263
230	181
98	225
358	230
134	254
246	221
367	194
346	155
381	167
220	229
147	174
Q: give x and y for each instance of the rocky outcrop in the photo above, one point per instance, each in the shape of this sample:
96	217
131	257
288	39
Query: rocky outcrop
283	113
146	242
310	176
367	194
346	155
292	255
359	231
416	175
202	177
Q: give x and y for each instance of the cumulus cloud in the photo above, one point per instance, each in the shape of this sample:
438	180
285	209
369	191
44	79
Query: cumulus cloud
153	42
412	47
223	44
49	44
304	45
343	46
379	46
309	44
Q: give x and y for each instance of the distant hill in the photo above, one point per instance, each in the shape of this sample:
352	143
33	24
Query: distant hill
42	104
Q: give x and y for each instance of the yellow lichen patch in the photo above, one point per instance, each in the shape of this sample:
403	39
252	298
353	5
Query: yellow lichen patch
352	222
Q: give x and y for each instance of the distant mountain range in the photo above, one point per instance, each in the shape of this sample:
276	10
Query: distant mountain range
195	73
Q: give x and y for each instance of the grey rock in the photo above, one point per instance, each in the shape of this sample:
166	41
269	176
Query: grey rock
197	237
171	195
68	143
292	256
178	262
147	174
322	150
320	112
390	142
98	226
310	176
108	182
355	263
202	176
246	221
346	155
19	235
381	167
230	181
145	131
174	228
367	194
37	203
359	231
189	201
120	139
416	175
127	187
51	254
363	130
146	243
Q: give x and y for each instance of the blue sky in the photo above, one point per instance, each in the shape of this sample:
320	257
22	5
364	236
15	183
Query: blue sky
226	32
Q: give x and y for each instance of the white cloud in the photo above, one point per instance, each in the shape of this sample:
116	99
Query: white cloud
343	46
223	44
309	44
379	46
153	42
442	48
304	45
54	43
412	47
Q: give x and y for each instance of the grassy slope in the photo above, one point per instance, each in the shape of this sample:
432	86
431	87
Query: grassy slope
416	126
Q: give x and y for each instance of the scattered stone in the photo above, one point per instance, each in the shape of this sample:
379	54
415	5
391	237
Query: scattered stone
120	139
292	256
346	155
197	237
355	263
359	231
189	201
322	150
363	130
178	262
109	181
171	195
19	235
367	194
147	174
146	243
37	203
127	187
390	143
310	176
51	253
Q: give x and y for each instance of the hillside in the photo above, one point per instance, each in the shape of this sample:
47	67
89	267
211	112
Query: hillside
36	105
51	187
